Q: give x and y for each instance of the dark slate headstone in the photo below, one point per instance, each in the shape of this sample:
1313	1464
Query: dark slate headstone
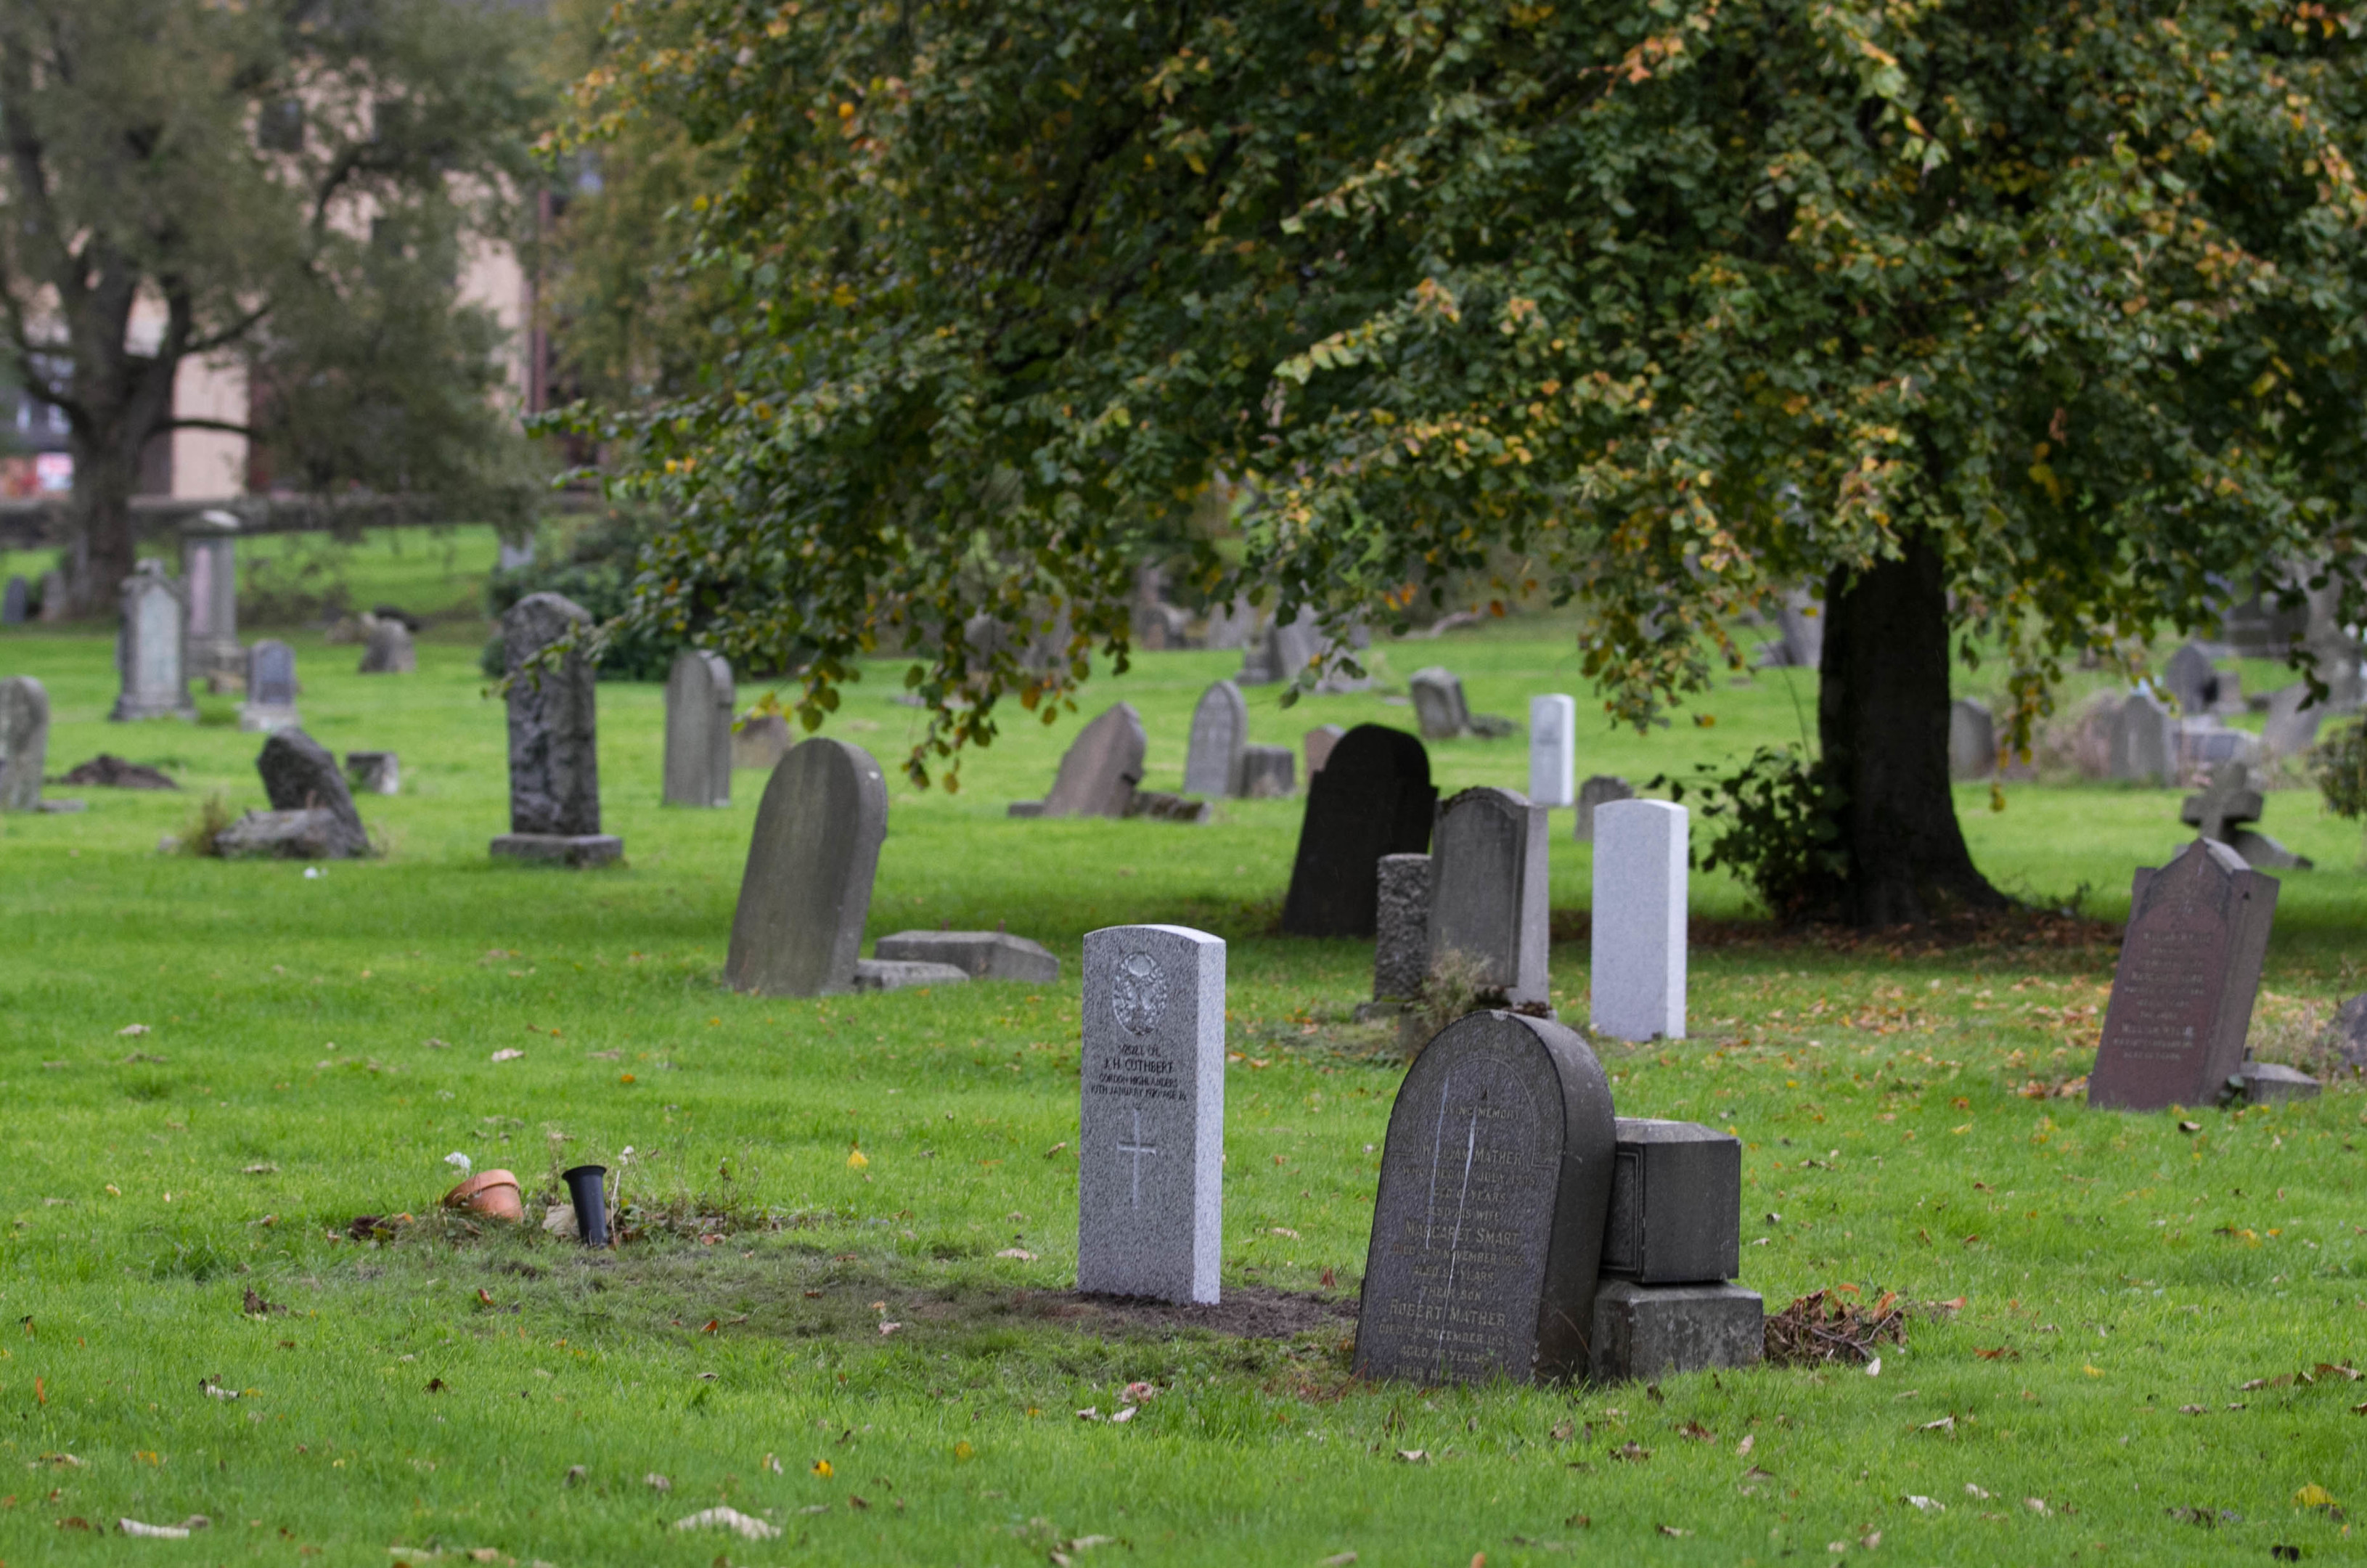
798	929
554	758
1373	797
2188	971
698	701
1401	935
1598	790
300	775
1101	771
982	955
1487	891
1268	773
1676	1204
24	742
2191	679
1488	1227
1438	704
12	600
271	675
1220	730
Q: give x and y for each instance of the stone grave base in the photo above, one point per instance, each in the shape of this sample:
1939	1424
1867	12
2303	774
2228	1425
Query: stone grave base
1643	1330
2258	1082
1160	806
561	848
1024	809
891	975
982	955
313	833
62	806
127	710
254	720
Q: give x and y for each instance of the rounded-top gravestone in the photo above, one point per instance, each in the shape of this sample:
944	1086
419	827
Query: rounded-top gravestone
1373	797
1220	730
1487	1228
698	701
798	928
24	742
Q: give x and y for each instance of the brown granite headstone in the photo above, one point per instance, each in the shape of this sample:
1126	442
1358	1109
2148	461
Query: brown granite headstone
1488	1225
2182	994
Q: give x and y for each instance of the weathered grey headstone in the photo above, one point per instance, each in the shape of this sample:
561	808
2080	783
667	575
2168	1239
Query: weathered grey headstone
1292	645
1220	729
1487	894
12	600
1972	739
2205	742
1401	934
2291	728
1649	1330
554	752
2348	1031
1101	771
1488	1227
1596	792
1676	1204
57	598
2228	804
1438	704
270	702
1268	773
698	701
1553	750
799	928
1150	1134
1373	797
313	833
209	567
149	646
300	775
1316	745
2142	745
1801	620
1638	965
2190	680
389	651
1231	627
2183	993
24	742
761	740
509	557
374	772
982	955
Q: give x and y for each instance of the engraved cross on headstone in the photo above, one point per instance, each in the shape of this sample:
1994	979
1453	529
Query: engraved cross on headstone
1138	1149
2230	803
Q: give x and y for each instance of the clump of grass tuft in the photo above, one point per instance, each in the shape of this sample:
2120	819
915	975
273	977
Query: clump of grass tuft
213	815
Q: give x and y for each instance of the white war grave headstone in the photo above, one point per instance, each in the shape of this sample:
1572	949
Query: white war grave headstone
1639	951
1553	750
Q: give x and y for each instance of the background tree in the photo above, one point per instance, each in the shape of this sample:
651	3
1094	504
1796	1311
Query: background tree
2029	324
293	184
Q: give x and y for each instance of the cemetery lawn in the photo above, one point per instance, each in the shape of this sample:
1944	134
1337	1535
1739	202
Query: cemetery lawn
845	1310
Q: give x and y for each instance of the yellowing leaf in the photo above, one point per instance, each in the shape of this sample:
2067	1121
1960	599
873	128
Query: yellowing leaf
2314	1496
858	1159
821	1468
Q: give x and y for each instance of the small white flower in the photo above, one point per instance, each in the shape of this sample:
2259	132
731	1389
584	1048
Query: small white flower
311	873
458	1161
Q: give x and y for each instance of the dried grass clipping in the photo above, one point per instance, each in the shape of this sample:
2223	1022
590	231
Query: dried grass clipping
1824	1326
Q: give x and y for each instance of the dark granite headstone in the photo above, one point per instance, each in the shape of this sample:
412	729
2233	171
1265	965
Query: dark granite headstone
2182	994
1373	797
300	775
799	928
1101	771
1487	891
1488	1227
270	702
1676	1204
12	600
554	758
24	742
1220	730
1401	935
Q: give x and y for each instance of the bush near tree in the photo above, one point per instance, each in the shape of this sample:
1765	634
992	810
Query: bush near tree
2017	323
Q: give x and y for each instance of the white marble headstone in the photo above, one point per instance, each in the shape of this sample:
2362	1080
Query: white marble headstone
1638	973
1553	750
1151	1131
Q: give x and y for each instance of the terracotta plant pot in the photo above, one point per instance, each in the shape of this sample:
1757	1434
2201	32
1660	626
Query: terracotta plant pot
491	1193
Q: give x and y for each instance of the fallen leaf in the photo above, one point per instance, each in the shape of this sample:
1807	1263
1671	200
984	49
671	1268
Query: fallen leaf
1750	1441
1631	1452
1021	1253
1945	1424
2036	1505
1697	1432
1562	1430
1973	1491
2002	1352
1338	1560
1126	1415
1671	1530
1090	1413
858	1159
133	1029
1872	1540
507	1053
2189	1127
821	1468
657	1483
484	1297
962	1452
1926	1505
2092	1370
1414	1456
888	1328
2314	1496
855	1504
720	1518
157	1532
1873	1368
2193	1410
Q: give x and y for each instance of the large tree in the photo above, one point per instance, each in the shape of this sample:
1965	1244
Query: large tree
2034	324
291	186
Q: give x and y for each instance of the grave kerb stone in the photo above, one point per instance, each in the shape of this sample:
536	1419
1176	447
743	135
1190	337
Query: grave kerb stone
982	955
1644	1332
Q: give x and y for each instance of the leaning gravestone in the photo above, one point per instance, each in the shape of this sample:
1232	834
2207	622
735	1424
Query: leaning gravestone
1150	1133
2191	679
12	600
1401	934
1596	792
1373	797
2183	993
761	740
554	754
980	955
1488	1227
799	928
271	688
1316	745
24	742
2141	740
1268	773
1972	740
1638	958
1488	891
1099	773
1553	750
389	650
148	649
300	775
1220	730
698	701
2292	725
1438	704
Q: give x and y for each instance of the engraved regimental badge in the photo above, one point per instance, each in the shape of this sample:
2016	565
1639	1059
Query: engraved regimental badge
1137	992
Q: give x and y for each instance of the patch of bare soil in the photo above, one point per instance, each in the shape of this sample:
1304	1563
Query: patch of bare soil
1246	1311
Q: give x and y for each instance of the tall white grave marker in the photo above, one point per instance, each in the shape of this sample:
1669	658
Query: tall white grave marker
1553	750
1639	919
1150	1141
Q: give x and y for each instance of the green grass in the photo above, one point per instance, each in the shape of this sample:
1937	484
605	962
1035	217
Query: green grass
1878	1089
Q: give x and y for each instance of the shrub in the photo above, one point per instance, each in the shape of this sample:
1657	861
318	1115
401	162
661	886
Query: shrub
1774	821
2339	763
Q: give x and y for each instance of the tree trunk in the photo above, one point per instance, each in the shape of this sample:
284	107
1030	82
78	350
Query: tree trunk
1882	719
103	487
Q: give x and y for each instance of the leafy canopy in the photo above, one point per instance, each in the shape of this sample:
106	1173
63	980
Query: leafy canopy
1668	304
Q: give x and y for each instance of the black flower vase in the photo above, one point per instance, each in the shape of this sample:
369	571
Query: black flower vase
591	1204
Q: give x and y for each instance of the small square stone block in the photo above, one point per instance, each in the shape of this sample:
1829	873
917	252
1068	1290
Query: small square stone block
1649	1330
2261	1082
1676	1204
561	848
